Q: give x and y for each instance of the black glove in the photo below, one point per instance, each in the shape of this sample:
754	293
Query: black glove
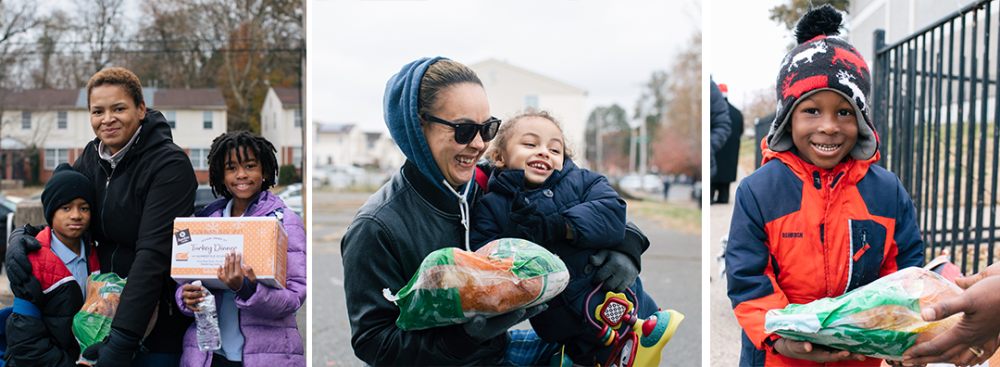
526	223
117	350
523	222
22	242
481	329
615	269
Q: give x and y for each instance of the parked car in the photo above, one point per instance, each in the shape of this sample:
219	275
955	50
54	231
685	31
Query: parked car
338	175
652	183
292	196
696	192
630	182
7	210
648	183
203	196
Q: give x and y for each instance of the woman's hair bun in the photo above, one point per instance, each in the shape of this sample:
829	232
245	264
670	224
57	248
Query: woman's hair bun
824	20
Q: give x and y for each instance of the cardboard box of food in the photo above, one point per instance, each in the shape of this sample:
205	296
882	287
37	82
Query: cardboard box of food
200	246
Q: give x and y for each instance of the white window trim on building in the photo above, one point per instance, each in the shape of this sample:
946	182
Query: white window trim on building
25	120
206	117
171	118
55	156
297	157
199	158
61	120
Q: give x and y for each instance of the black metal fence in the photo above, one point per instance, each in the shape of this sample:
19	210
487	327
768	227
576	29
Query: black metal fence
934	105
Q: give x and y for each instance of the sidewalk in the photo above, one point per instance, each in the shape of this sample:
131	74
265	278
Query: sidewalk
725	332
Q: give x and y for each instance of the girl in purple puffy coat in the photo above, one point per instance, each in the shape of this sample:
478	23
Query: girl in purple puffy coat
257	322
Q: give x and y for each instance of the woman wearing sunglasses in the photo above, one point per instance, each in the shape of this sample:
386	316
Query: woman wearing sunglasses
437	113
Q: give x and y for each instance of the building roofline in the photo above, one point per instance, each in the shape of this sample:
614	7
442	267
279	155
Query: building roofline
529	72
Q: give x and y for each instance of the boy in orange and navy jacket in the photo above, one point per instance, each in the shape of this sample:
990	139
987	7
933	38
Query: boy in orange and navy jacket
39	332
819	218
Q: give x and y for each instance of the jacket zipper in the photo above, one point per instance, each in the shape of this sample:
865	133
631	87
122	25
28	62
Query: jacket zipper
865	247
104	202
828	178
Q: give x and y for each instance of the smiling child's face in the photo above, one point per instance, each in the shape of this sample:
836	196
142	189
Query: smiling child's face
536	146
824	127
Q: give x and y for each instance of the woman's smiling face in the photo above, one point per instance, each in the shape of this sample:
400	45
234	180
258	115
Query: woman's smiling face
459	103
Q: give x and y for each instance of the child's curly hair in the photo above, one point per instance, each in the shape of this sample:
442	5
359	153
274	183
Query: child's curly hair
218	155
499	143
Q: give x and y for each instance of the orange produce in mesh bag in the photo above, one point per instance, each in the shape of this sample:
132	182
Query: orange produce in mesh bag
452	285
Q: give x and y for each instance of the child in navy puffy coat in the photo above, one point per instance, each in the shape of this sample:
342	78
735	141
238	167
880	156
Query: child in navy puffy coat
537	193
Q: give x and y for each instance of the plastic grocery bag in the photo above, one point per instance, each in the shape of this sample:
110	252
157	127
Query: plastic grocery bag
880	319
93	323
453	285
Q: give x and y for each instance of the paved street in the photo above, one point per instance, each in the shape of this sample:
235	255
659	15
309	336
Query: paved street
671	274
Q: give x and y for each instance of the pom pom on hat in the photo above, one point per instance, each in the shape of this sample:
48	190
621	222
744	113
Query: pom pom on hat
823	62
824	21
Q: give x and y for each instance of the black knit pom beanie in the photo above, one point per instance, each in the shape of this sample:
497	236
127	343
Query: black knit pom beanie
65	186
823	62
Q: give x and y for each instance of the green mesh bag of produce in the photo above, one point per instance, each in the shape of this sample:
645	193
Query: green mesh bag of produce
93	323
881	319
453	285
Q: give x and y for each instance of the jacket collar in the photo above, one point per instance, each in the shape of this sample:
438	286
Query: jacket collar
510	181
262	205
154	130
44	238
431	193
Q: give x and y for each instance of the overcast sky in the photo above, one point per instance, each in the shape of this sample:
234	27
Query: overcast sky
746	47
608	48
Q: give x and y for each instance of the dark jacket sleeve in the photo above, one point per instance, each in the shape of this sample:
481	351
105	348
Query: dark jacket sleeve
721	125
634	244
30	344
752	284
909	244
598	221
489	219
267	302
170	195
370	264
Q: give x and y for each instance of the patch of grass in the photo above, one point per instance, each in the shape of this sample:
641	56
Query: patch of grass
748	151
682	218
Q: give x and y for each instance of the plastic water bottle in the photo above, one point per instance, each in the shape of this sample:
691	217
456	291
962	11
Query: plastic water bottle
208	322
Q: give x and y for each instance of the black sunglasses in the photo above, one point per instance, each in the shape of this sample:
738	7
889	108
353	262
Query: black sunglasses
465	132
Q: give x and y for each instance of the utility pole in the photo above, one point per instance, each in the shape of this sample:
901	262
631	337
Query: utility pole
631	149
643	141
600	141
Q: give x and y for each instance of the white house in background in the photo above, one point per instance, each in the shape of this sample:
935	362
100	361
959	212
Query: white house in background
335	143
281	124
382	151
510	89
57	121
196	117
346	144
